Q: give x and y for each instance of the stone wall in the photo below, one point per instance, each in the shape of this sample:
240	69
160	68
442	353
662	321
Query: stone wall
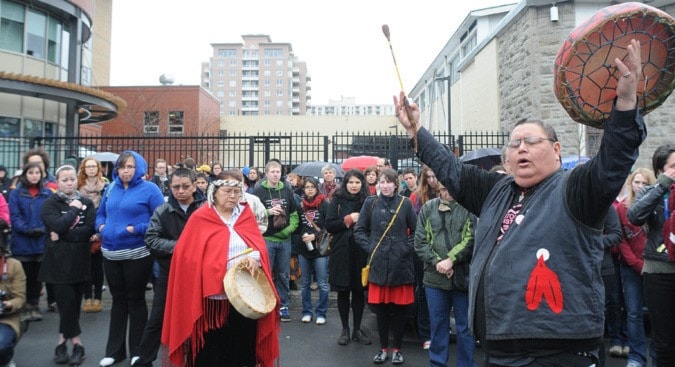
527	51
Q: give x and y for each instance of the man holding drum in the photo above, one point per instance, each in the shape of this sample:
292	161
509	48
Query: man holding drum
535	293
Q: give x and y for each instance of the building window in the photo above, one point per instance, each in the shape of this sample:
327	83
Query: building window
227	53
280	83
11	26
233	93
233	62
32	128
280	73
267	83
9	127
280	63
469	40
267	103
36	34
232	83
220	63
268	63
176	122
267	93
280	103
221	83
232	104
233	73
232	113
280	93
274	52
151	122
54	40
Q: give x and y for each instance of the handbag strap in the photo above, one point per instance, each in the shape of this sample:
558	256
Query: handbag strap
393	217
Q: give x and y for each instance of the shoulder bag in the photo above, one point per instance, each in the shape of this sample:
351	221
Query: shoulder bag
365	272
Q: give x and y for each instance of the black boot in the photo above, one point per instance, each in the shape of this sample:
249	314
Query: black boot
361	337
61	354
344	337
78	355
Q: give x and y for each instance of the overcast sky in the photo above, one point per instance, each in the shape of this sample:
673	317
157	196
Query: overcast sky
341	41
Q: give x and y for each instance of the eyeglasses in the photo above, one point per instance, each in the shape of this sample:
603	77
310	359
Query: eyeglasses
128	166
231	192
528	140
178	187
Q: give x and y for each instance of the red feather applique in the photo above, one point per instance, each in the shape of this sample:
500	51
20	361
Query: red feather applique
544	284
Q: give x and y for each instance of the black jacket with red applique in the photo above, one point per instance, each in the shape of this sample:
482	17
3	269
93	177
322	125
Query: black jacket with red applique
538	291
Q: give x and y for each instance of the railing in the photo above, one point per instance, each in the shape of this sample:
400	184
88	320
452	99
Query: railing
235	150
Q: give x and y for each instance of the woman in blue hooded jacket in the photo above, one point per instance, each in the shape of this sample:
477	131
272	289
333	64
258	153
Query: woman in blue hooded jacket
28	233
122	219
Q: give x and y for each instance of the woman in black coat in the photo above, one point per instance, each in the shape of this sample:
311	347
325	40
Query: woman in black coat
386	229
69	219
346	257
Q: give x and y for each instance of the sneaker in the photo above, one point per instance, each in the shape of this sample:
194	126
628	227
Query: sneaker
380	357
396	357
61	354
53	307
306	318
344	337
615	351
11	364
103	287
78	355
107	361
625	351
320	320
96	306
88	303
314	286
134	360
426	345
36	315
285	317
633	364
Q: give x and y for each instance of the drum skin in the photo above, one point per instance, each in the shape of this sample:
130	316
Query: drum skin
251	295
585	75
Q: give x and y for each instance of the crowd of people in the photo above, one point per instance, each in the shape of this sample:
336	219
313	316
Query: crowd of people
539	266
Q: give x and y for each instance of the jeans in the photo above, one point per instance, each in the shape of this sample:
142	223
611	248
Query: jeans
634	298
440	301
7	339
280	259
320	267
660	297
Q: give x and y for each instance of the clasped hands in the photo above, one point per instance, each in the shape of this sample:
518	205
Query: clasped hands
445	267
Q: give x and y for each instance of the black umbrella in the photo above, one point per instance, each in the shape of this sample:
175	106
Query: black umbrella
314	168
484	158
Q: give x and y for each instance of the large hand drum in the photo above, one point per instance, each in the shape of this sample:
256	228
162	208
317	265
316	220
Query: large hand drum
252	295
585	76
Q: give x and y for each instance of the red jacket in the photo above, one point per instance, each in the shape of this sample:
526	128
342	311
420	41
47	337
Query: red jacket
632	246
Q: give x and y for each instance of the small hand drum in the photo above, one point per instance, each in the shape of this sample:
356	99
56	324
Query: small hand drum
585	76
251	295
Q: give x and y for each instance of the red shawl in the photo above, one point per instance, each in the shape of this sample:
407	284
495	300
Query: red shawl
197	271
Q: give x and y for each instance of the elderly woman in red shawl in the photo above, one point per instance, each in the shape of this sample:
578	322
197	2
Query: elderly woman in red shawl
201	327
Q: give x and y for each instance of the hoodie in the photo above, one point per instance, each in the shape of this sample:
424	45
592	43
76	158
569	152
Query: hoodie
122	207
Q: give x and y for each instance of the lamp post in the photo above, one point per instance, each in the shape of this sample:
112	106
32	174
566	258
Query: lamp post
447	78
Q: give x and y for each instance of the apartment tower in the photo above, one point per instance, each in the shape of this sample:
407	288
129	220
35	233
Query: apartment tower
257	77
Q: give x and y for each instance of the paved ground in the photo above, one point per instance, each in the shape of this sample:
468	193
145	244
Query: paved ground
302	345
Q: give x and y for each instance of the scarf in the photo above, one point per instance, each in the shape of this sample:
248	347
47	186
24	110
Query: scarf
92	191
197	272
312	203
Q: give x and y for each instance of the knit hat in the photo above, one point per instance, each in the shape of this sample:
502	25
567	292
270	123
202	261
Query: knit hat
204	168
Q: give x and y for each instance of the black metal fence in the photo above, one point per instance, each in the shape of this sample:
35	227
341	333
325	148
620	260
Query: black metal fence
238	150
